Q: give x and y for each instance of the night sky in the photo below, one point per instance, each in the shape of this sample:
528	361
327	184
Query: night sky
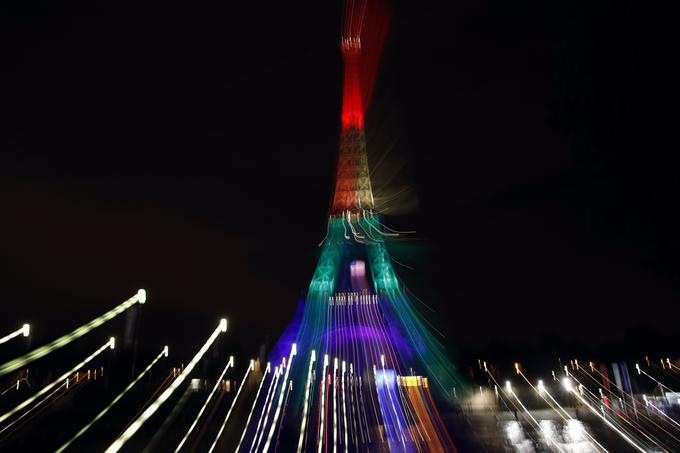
189	148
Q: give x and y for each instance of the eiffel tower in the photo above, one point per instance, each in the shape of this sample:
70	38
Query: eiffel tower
362	368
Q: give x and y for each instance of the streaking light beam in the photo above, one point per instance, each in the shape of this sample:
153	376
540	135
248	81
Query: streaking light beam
230	363
134	426
42	351
109	344
164	353
25	330
252	409
233	403
293	351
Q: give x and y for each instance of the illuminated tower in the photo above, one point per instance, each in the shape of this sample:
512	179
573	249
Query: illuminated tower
361	360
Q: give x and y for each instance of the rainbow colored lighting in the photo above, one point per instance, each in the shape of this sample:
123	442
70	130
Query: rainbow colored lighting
356	314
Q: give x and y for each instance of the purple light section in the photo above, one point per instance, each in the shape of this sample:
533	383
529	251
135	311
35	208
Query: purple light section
283	345
391	410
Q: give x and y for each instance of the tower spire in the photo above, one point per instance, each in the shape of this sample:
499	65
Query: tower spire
353	183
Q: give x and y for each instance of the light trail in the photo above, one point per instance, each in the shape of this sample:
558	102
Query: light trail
277	413
305	409
231	408
570	389
541	390
659	383
595	398
335	405
271	403
344	404
323	401
63	386
272	385
42	351
538	425
109	344
164	353
230	363
25	330
252	409
626	404
134	427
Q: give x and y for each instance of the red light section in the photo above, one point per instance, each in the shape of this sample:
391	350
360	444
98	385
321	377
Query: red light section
352	104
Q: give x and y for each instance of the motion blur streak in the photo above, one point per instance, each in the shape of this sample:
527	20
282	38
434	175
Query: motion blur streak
230	363
19	362
610	424
293	351
134	427
231	408
60	379
164	353
305	409
252	409
24	330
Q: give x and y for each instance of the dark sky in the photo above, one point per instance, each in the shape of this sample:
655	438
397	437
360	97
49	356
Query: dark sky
188	148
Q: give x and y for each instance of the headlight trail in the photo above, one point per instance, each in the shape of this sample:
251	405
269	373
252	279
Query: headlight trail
109	344
164	353
25	330
230	363
134	427
252	409
42	351
293	351
231	408
305	409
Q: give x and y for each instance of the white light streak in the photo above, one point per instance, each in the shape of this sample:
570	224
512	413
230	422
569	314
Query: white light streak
164	353
19	362
306	406
57	381
231	408
570	388
323	402
267	404
293	351
230	363
252	409
335	406
344	405
134	426
24	330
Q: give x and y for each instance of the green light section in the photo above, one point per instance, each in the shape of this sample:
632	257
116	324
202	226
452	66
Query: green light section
366	230
431	354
